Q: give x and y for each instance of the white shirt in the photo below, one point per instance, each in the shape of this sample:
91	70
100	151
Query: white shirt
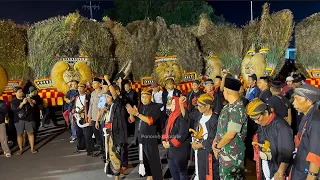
80	102
169	98
157	97
204	119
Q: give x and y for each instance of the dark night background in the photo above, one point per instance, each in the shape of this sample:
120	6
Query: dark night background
237	12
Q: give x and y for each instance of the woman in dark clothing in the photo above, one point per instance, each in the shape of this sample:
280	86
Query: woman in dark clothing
177	140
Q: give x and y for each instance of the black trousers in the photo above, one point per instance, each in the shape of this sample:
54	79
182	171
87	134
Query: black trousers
151	161
84	139
203	168
124	155
97	135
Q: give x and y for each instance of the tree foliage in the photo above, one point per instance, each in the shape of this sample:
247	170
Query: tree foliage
183	13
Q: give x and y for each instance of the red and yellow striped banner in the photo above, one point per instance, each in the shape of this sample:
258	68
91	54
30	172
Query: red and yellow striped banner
313	81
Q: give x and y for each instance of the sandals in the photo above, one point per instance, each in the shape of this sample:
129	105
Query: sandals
34	152
19	153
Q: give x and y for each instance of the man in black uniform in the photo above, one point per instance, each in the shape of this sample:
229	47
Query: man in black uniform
146	132
279	104
263	85
193	95
306	164
275	140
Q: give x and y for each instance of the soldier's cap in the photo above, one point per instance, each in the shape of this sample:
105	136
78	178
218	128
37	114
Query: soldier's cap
308	91
267	78
219	77
253	76
256	107
208	81
232	84
97	80
276	84
205	99
81	84
196	81
146	91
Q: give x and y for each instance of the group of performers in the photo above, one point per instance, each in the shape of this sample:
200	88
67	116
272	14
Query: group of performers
212	125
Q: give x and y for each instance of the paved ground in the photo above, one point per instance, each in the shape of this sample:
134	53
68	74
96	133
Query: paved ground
56	160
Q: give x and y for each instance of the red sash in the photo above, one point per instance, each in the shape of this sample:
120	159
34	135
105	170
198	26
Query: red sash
210	163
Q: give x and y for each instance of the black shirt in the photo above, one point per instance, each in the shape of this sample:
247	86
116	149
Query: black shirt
265	95
15	103
280	105
279	134
191	95
38	106
147	133
3	111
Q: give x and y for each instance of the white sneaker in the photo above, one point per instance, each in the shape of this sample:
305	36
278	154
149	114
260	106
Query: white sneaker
73	140
109	175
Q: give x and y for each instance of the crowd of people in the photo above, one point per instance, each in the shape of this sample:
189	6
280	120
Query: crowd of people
220	124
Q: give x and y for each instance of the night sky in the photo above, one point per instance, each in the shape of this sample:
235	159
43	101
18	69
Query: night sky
235	12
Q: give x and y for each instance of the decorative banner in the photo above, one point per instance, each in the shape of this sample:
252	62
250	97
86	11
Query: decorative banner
146	81
160	59
73	60
13	83
43	83
189	76
313	81
314	73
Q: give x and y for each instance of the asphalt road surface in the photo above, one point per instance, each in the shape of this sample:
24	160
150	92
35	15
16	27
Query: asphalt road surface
57	160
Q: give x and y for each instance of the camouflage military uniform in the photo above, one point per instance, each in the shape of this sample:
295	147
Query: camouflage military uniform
231	156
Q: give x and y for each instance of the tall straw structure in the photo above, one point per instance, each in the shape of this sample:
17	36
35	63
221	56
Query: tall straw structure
308	43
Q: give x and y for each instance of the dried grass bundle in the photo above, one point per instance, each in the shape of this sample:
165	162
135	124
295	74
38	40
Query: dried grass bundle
13	46
308	43
145	36
275	34
250	36
224	41
69	36
185	46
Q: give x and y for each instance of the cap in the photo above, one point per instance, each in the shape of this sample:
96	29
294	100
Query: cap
276	84
233	84
97	79
256	107
253	76
209	81
308	91
297	78
32	88
289	78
